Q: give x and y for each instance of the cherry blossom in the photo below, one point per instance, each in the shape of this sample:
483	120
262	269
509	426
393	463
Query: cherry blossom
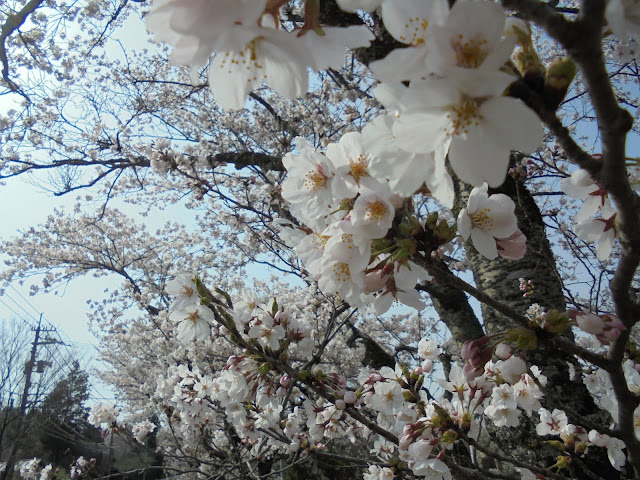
472	38
141	429
372	214
103	414
428	349
291	326
405	171
193	322
600	230
409	22
248	48
581	186
351	161
486	218
309	183
551	422
185	291
467	116
623	18
267	333
197	27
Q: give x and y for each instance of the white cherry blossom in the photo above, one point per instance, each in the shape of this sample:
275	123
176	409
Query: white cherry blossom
468	117
372	214
402	288
623	18
195	28
471	37
580	185
409	22
308	185
428	349
551	422
486	218
184	289
600	230
406	171
193	322
267	333
351	161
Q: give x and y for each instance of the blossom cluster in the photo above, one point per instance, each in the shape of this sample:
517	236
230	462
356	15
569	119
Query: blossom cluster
454	105
32	469
261	393
349	208
103	415
248	46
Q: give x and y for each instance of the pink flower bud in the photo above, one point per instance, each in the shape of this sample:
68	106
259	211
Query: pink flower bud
613	326
590	323
471	348
513	247
350	397
476	354
280	317
340	404
285	381
426	366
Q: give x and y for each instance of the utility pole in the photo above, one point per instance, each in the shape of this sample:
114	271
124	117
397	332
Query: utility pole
7	474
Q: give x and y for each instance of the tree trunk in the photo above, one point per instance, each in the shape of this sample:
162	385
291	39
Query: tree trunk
499	278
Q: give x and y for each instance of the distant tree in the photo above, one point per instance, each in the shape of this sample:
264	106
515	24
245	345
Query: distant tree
14	350
46	419
64	432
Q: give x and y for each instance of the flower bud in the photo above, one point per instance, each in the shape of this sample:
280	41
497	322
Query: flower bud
285	381
590	323
612	328
472	348
426	366
350	397
503	351
449	436
405	441
513	247
559	76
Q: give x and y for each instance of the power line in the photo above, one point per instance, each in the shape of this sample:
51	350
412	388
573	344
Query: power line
35	316
17	314
62	368
24	299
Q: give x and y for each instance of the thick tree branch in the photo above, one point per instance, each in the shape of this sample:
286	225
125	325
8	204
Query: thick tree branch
11	25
